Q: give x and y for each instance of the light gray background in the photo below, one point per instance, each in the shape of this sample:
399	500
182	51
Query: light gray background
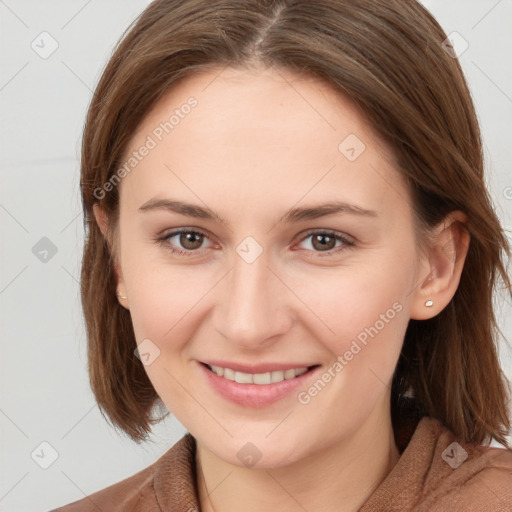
45	394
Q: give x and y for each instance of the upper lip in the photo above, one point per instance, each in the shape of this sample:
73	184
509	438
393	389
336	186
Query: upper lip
257	368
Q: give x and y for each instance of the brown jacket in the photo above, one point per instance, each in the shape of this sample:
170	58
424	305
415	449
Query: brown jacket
432	475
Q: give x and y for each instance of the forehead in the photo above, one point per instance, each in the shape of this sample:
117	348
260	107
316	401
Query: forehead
278	100
254	135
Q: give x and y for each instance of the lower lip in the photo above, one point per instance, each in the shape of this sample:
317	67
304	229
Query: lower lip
255	395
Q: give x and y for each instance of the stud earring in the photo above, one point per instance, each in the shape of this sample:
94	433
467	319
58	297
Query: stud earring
121	296
429	303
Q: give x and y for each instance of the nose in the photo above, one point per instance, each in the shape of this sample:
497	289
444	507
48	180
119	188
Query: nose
251	309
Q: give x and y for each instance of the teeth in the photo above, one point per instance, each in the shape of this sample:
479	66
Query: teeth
257	378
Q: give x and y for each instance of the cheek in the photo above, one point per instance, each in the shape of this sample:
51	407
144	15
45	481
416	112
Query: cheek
163	303
368	324
164	297
160	292
356	300
166	309
364	313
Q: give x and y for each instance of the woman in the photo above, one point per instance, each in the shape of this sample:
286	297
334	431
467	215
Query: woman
291	248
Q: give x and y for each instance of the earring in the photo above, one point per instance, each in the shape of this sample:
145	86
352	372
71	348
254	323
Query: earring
429	303
121	296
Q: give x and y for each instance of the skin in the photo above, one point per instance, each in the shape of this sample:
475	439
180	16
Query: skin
258	143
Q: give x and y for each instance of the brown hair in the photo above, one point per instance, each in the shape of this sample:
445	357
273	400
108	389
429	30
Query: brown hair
388	57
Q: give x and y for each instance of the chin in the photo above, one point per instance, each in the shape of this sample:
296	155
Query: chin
259	452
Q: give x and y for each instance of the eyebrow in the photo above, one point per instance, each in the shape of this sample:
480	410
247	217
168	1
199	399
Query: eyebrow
291	216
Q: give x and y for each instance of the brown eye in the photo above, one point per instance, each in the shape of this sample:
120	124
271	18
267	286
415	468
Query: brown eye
323	242
183	242
191	240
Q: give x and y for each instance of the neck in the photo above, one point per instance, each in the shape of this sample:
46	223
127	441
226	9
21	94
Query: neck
339	478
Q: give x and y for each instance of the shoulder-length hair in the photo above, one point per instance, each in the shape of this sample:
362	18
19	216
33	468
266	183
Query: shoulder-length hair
391	58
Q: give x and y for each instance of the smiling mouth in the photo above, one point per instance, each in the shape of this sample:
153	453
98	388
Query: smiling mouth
259	378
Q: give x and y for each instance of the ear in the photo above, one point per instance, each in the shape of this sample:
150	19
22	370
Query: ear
103	223
441	267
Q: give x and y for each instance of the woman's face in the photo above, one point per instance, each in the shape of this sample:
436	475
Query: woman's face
267	278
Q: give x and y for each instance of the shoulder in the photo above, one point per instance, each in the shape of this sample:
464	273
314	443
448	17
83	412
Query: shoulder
137	492
437	472
125	495
461	476
489	482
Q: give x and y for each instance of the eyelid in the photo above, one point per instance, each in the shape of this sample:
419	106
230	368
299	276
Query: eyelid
166	235
325	231
348	241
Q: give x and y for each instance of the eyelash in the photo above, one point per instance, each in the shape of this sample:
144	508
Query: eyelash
164	242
